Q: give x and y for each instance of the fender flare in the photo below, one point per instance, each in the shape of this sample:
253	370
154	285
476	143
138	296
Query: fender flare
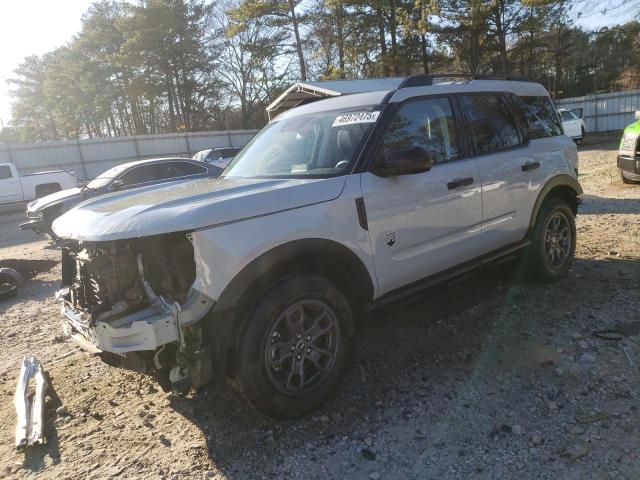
224	324
279	259
559	181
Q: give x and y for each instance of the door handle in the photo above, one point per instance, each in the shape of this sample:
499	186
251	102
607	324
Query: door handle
459	182
530	166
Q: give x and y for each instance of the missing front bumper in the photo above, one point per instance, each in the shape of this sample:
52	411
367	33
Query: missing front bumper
144	330
140	338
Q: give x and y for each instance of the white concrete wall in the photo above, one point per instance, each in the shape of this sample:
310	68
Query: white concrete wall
89	158
605	111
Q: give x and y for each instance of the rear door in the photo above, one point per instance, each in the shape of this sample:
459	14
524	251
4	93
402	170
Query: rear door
505	165
423	223
10	187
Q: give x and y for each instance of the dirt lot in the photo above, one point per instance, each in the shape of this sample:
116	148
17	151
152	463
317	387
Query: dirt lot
485	378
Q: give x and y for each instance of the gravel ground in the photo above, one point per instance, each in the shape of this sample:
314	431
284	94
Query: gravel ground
488	377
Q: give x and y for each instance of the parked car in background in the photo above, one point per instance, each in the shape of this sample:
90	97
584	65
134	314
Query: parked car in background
16	188
336	207
220	156
43	211
628	158
573	124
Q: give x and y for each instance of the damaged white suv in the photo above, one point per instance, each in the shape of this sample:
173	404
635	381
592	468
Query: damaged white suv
334	208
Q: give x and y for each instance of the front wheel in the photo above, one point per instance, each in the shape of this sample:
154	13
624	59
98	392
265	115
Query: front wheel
553	243
292	354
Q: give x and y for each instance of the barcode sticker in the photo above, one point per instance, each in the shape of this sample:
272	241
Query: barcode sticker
356	117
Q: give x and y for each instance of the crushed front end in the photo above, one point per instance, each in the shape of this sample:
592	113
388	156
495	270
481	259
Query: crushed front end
133	302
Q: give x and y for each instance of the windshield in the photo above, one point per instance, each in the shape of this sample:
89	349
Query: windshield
320	144
105	178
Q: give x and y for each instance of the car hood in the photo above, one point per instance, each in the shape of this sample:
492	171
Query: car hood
54	199
193	205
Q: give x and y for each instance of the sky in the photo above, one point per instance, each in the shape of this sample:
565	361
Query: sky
34	27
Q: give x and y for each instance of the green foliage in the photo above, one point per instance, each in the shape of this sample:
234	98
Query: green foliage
158	66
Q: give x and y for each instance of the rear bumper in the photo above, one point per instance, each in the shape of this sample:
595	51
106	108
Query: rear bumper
629	164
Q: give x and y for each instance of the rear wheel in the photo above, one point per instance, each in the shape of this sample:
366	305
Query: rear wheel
292	354
553	242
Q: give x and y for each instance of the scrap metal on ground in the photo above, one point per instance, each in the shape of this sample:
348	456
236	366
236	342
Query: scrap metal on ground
30	405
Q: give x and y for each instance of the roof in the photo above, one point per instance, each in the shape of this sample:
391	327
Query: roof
302	93
334	103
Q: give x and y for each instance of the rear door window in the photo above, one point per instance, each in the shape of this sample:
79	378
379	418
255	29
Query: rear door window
491	125
141	174
179	169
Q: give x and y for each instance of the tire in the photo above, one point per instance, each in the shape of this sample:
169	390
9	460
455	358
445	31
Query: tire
553	242
289	315
624	179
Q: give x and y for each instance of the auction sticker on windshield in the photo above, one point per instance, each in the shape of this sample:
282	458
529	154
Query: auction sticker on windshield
355	117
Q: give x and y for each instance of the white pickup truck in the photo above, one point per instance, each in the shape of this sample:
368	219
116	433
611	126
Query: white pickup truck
16	188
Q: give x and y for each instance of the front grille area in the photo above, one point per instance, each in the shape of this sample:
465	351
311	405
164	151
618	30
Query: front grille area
105	277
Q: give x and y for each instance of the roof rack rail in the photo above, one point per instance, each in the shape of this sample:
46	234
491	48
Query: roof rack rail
426	80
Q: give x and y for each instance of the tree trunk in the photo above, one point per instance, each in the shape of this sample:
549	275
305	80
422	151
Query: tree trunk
501	34
393	26
383	41
172	113
340	39
423	53
296	32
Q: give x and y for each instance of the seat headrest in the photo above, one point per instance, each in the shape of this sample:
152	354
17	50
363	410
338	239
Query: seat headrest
345	145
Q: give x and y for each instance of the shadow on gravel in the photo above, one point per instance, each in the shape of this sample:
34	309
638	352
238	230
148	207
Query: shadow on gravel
594	205
27	267
602	142
430	350
34	457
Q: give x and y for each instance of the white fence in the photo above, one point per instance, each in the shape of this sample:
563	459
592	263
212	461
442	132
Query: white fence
89	158
605	111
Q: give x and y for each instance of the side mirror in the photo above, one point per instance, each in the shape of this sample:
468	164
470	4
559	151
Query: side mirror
405	161
637	115
117	185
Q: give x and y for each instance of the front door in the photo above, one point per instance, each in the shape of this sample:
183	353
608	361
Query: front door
10	187
423	223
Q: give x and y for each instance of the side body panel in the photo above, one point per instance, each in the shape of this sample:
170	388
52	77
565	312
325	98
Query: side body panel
10	187
418	226
509	193
222	252
30	182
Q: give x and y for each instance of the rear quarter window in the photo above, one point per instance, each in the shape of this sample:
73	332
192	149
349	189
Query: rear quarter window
539	116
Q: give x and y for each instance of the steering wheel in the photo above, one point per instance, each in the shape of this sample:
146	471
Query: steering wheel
341	164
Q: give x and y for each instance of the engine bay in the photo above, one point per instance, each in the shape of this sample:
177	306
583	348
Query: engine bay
106	280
